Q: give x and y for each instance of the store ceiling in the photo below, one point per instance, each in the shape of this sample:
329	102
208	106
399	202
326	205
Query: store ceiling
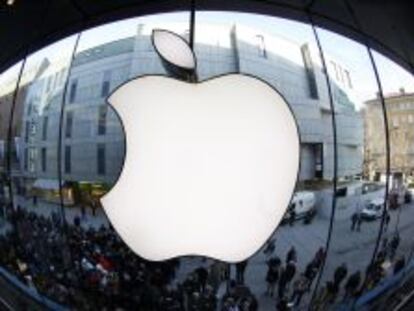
28	25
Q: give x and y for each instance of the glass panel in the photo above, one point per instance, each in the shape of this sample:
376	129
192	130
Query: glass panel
8	238
359	197
398	86
284	54
93	149
43	253
80	261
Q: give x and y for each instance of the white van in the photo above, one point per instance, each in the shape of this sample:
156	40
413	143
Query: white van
303	203
373	210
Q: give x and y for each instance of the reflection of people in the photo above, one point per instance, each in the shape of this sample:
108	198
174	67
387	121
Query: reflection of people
282	305
270	247
310	273
359	222
394	245
354	220
399	265
351	286
291	255
299	288
340	274
240	268
272	275
292	217
387	220
93	207
83	211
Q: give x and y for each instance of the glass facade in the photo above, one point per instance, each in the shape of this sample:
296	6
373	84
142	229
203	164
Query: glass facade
346	232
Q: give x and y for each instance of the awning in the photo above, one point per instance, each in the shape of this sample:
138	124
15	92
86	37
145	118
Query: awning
46	184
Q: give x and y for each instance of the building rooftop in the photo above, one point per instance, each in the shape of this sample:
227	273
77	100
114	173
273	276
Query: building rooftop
117	47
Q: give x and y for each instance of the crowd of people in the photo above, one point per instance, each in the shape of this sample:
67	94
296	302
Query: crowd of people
92	269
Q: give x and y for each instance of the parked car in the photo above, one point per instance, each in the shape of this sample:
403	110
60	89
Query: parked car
410	189
373	210
303	205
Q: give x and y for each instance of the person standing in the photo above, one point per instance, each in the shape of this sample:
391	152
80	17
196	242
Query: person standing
354	220
270	247
359	222
93	207
290	272
202	276
310	274
319	257
282	305
240	269
291	255
299	288
387	220
352	284
395	242
340	274
282	283
83	212
292	217
272	275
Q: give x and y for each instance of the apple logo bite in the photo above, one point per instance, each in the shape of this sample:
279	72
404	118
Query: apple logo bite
210	167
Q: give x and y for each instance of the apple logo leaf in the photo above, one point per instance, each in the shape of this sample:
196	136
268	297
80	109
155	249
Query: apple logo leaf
176	55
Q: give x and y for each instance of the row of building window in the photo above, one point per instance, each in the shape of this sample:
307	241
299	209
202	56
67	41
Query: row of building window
397	120
105	86
341	74
401	106
102	113
53	81
100	159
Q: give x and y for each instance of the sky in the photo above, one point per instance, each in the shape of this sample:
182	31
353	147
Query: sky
347	52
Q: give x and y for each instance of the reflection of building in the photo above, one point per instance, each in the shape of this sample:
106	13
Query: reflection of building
400	113
93	145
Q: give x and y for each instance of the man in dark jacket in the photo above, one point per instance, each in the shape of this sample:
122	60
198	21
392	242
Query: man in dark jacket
340	274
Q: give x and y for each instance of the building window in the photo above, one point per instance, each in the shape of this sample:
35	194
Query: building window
26	159
32	160
29	108
26	131
395	122
44	129
102	119
62	77
106	83
49	83
336	70
410	118
101	159
68	160
72	93
348	78
69	124
310	71
43	159
261	46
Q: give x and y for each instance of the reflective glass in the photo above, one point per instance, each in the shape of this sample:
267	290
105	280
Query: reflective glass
395	248
42	247
66	148
9	238
359	197
284	54
93	148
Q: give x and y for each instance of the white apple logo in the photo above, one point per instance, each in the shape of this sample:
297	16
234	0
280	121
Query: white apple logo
210	167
